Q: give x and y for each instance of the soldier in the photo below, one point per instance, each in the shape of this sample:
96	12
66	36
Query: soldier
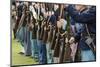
52	22
25	30
41	48
19	8
44	47
45	56
34	43
57	44
53	41
63	34
28	31
19	32
87	40
23	27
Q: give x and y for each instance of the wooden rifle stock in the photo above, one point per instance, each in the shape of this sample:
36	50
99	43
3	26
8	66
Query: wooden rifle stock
62	49
21	22
53	39
67	53
57	46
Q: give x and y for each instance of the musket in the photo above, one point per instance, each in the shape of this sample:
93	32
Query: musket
57	51
42	31
57	45
50	33
29	15
63	53
21	20
45	35
67	53
53	41
67	48
43	24
62	48
46	28
39	21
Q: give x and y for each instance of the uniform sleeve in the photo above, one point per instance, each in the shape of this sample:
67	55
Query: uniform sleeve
83	17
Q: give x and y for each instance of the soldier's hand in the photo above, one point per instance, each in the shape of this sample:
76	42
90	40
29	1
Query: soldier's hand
45	28
36	24
32	26
14	13
72	40
66	40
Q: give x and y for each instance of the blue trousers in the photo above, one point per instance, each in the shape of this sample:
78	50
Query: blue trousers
39	43
87	55
42	53
27	42
49	53
34	48
28	46
22	36
18	34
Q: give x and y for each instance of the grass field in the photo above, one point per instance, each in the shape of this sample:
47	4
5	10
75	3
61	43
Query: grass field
18	59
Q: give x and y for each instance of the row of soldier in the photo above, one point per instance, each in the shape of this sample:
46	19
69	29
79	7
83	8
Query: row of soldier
45	31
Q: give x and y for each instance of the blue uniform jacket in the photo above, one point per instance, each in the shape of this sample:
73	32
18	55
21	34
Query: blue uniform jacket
88	17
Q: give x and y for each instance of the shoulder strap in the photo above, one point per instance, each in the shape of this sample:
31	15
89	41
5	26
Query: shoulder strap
87	30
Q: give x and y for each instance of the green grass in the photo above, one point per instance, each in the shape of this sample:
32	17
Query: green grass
18	59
